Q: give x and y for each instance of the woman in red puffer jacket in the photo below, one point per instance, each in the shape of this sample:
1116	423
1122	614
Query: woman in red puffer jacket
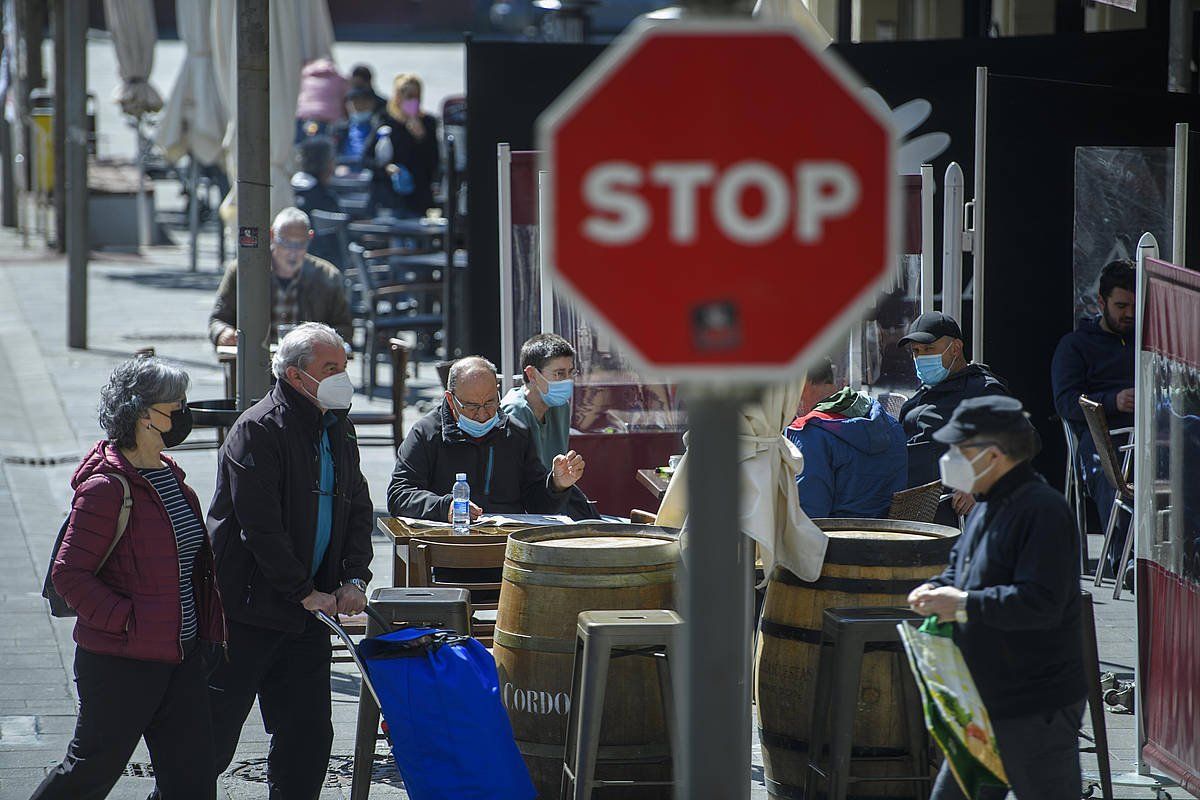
150	625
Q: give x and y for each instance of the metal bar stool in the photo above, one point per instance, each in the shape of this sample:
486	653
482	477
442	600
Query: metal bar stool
600	637
847	633
436	608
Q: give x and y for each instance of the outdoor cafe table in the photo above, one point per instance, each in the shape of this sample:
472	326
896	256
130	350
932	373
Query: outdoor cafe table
430	233
402	530
655	482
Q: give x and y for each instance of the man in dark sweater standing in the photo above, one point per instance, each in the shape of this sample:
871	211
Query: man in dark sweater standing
1097	359
1012	588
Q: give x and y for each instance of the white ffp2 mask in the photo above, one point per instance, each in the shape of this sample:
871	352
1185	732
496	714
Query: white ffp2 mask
335	392
958	471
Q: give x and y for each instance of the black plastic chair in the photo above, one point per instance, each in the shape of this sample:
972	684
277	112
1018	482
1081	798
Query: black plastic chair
388	306
331	237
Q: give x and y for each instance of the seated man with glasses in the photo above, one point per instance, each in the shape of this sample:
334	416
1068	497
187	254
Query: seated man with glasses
469	433
304	288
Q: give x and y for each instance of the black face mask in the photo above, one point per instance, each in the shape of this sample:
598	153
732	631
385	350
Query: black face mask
181	426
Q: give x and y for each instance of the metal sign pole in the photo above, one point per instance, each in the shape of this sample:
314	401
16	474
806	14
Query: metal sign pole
717	588
254	201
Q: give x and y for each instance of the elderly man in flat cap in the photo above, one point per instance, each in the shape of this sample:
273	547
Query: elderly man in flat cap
1012	590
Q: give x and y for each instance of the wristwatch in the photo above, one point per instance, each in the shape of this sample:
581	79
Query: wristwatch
960	612
357	583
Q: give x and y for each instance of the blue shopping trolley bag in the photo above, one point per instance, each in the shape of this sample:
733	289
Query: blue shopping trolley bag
440	696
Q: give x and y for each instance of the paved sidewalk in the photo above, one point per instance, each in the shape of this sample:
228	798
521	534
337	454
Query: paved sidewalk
48	421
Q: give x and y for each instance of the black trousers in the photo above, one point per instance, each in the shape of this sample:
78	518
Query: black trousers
120	701
1040	755
289	673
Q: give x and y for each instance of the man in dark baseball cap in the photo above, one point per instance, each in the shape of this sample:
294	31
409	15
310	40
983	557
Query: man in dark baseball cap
1012	591
947	378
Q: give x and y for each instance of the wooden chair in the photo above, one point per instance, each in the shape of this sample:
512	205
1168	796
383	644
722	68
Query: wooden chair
430	556
394	419
1117	474
918	504
388	304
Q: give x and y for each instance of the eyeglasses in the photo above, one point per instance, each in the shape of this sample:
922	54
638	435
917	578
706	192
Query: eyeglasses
489	408
288	244
560	374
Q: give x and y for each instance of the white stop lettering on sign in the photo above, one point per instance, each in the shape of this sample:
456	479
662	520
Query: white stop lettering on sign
797	204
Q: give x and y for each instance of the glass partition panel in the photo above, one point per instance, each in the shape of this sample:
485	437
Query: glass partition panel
1120	193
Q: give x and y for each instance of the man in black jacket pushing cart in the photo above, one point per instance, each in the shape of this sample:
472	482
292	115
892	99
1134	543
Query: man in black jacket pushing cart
291	522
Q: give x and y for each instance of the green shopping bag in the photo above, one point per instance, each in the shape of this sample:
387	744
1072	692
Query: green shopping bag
954	712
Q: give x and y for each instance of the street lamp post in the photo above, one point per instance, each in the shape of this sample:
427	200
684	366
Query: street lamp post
253	200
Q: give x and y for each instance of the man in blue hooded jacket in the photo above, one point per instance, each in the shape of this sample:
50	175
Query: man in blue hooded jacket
854	453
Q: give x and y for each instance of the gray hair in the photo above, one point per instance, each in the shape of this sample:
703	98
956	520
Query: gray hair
290	216
465	367
296	349
132	388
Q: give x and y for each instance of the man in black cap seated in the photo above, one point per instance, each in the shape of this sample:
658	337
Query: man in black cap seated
947	379
1012	590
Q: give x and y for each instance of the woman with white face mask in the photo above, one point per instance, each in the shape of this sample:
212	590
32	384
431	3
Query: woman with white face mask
1012	591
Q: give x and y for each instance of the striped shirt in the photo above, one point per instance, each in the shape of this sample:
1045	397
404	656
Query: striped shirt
189	537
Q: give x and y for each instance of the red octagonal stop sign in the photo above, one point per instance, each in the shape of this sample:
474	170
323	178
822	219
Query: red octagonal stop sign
721	197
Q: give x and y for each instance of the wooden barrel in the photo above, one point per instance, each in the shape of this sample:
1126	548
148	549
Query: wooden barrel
550	575
869	563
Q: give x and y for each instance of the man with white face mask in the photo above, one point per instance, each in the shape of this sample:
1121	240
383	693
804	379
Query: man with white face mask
1012	590
291	521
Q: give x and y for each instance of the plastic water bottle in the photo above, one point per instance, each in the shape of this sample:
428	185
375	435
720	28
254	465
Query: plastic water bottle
461	518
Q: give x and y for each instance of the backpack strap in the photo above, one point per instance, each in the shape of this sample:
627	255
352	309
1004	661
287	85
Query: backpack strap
122	518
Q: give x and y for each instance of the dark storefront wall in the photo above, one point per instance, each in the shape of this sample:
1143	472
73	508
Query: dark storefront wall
1033	132
510	84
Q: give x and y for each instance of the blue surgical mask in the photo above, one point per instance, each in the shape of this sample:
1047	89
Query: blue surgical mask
930	369
360	116
474	429
559	392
